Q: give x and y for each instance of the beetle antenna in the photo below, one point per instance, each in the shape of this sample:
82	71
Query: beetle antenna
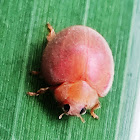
60	117
83	121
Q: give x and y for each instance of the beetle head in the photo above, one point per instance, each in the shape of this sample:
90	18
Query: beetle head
75	98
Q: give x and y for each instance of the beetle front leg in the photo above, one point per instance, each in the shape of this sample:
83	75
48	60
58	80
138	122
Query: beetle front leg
35	72
94	108
40	91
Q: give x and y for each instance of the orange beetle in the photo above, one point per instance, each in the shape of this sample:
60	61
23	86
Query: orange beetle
79	64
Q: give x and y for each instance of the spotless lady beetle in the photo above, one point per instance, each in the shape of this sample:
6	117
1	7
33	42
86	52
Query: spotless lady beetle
77	62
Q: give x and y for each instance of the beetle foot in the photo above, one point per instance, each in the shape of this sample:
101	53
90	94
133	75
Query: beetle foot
40	91
37	73
94	115
32	94
51	34
94	108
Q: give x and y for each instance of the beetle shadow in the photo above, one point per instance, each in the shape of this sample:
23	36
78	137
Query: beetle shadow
46	101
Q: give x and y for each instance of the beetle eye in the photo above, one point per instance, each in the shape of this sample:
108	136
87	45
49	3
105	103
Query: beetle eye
83	111
66	107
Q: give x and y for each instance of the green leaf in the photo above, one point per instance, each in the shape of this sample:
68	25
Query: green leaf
22	39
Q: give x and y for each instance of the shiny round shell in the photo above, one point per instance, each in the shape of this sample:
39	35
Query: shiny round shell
79	53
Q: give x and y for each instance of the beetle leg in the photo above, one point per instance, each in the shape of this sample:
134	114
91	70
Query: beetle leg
94	108
51	34
35	72
40	91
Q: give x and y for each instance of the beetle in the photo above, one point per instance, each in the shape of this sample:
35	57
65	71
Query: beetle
78	63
